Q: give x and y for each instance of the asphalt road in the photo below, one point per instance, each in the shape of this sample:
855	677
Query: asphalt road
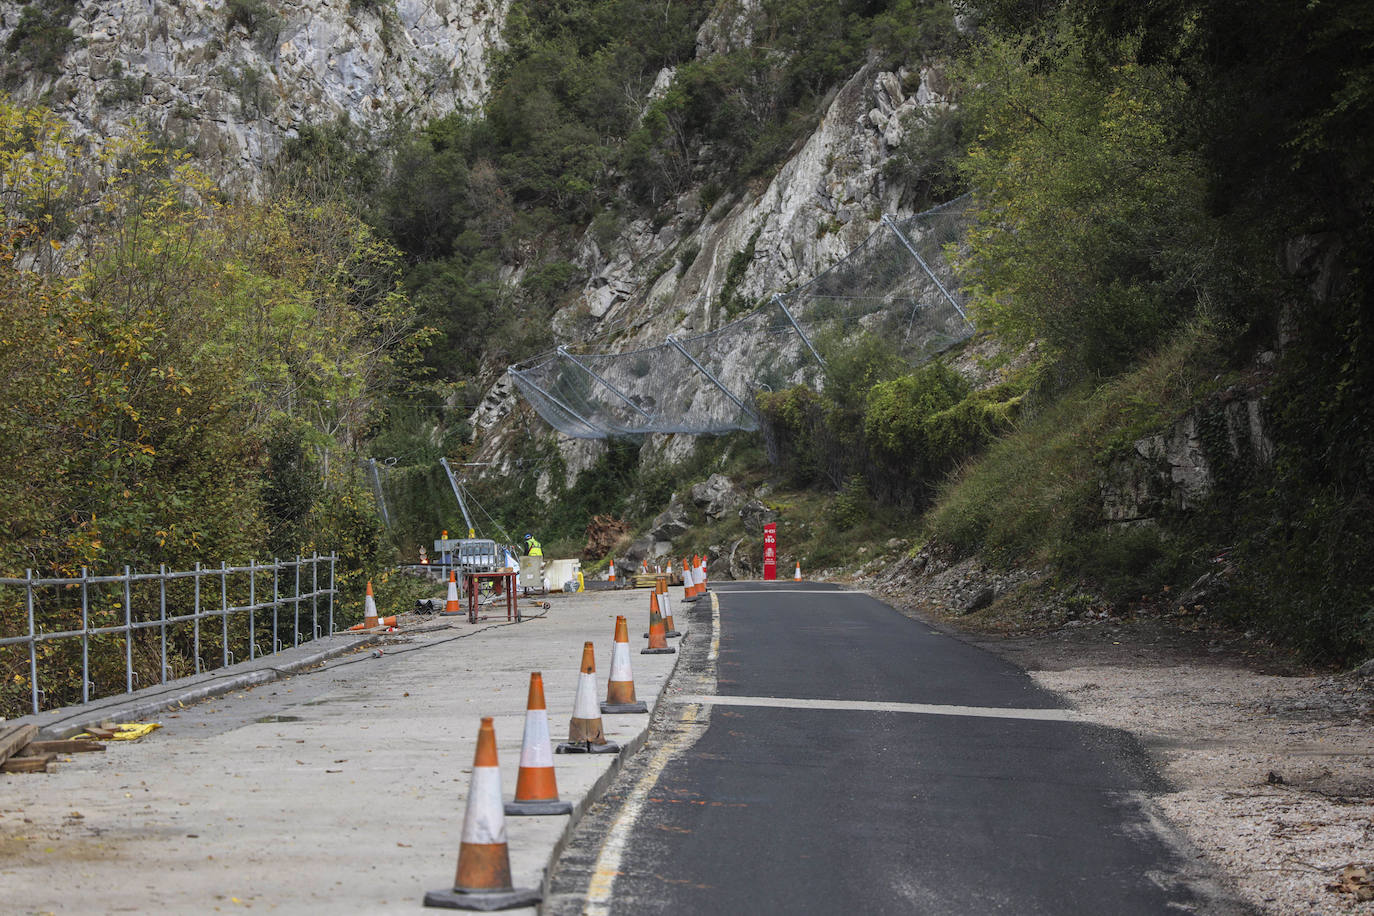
852	760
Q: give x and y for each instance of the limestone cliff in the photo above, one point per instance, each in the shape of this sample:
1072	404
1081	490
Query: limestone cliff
230	80
652	281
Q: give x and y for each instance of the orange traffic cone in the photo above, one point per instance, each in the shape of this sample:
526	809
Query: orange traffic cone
536	788
389	622
451	606
661	590
658	633
701	575
796	576
620	690
585	734
612	572
689	582
369	609
665	607
483	881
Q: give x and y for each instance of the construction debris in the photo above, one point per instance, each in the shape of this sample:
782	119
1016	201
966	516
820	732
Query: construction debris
13	738
603	533
124	731
20	753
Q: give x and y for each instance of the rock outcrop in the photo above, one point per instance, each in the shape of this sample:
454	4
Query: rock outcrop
717	496
232	81
1177	470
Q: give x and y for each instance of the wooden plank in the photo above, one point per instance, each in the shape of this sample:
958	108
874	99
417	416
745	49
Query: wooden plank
14	738
36	764
70	746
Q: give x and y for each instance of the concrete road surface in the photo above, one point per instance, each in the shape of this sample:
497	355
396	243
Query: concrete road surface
337	791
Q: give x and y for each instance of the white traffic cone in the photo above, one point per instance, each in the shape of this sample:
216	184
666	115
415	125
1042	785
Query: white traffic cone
620	690
585	734
536	787
483	881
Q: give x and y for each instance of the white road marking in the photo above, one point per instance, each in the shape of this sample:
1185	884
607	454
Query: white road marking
602	884
600	889
986	712
795	591
715	629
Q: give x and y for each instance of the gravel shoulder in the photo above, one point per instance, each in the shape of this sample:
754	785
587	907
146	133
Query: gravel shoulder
1271	767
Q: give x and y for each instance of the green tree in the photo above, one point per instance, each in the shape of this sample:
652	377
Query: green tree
1091	232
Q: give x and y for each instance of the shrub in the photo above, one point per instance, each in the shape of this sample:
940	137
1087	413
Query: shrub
1092	233
40	39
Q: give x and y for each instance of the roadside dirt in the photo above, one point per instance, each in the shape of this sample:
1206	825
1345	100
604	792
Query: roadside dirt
1271	765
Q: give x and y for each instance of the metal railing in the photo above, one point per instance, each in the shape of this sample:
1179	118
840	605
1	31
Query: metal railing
102	611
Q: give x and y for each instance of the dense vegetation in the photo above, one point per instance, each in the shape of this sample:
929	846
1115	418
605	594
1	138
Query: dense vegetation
186	378
572	140
1168	196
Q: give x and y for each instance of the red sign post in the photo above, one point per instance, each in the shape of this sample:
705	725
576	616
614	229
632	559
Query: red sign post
770	552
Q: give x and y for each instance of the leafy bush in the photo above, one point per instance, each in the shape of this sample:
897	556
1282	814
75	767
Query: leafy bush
258	17
896	422
40	39
1092	233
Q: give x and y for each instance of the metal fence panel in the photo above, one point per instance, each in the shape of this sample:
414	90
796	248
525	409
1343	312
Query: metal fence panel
145	619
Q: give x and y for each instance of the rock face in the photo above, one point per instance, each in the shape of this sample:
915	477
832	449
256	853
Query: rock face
755	515
231	81
716	496
821	204
1177	470
671	522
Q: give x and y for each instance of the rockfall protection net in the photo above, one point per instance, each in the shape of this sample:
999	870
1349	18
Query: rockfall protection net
897	285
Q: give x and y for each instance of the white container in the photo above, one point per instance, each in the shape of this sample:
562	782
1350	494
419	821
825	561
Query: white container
560	572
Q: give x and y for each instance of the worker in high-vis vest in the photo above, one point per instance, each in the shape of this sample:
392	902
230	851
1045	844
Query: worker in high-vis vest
532	547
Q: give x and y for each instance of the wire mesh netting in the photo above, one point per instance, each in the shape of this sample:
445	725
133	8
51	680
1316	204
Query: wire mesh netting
897	286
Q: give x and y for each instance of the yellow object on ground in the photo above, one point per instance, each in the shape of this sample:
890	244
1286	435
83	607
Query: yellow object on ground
581	583
127	731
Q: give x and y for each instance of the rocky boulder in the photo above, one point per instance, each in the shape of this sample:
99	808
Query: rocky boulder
716	496
744	560
755	515
1178	468
672	522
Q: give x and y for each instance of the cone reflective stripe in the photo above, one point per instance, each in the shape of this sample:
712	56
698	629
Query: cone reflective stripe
483	881
369	609
451	606
585	733
536	787
796	576
620	689
665	607
658	633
